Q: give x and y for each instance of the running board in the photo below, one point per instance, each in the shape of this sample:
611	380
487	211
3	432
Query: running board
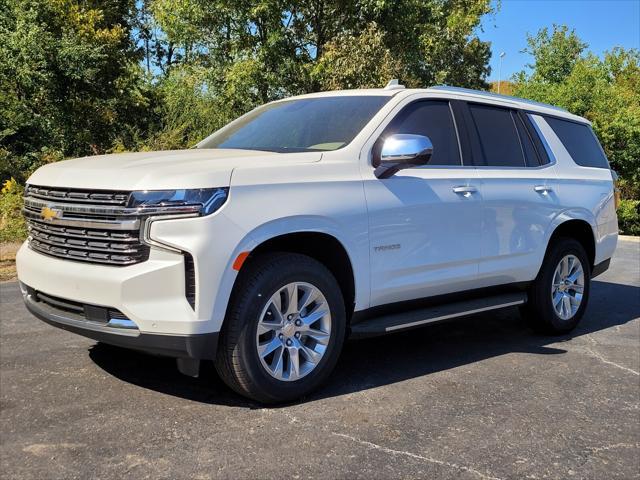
415	318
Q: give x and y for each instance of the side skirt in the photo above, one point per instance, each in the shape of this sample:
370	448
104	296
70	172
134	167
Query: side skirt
394	322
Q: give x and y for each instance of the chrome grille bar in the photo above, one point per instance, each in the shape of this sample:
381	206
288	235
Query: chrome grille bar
88	223
84	233
76	195
36	205
84	225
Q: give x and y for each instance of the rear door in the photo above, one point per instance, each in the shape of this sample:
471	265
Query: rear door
518	184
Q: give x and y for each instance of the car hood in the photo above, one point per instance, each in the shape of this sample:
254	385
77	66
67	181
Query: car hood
195	168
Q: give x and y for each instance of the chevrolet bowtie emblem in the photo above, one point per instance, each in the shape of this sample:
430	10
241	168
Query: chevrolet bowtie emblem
50	214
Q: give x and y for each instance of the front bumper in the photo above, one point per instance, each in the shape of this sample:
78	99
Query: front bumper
152	294
95	322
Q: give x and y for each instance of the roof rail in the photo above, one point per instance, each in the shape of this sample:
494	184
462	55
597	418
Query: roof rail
497	96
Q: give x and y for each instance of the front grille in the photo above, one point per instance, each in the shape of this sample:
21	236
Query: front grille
96	197
84	225
75	310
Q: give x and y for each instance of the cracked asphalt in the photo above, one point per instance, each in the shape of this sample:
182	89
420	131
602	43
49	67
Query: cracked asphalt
479	398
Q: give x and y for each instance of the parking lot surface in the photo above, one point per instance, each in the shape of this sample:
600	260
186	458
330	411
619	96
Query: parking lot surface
479	398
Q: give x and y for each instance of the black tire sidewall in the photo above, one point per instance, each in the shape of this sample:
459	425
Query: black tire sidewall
303	269
543	299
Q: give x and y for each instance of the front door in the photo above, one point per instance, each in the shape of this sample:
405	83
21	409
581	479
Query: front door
424	222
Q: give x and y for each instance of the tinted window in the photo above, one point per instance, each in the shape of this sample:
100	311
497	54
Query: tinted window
530	155
542	148
310	124
498	136
434	120
580	142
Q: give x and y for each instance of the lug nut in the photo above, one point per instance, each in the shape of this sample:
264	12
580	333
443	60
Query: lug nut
297	334
289	317
298	323
289	342
280	336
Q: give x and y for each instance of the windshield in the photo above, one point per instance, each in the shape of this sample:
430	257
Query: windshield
310	124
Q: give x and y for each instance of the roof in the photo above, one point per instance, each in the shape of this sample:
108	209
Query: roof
456	92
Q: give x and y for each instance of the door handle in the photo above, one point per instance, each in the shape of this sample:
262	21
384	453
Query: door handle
465	190
543	189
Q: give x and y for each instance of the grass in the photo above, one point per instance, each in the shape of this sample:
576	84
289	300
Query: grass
8	252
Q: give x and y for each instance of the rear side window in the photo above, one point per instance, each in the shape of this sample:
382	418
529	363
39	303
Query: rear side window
580	142
498	136
433	119
530	155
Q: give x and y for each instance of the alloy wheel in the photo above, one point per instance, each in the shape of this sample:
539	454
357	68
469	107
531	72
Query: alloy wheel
568	287
293	331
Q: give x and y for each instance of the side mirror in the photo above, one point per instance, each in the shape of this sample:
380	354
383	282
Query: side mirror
400	151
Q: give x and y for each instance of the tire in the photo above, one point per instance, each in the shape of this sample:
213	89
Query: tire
540	311
261	296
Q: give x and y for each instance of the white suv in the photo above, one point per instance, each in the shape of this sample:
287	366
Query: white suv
319	217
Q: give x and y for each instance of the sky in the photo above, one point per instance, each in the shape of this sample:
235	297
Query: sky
602	24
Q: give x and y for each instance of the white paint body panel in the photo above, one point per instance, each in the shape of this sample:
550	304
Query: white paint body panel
447	242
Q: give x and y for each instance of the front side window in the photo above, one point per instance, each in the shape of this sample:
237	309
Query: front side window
580	142
433	119
309	124
498	136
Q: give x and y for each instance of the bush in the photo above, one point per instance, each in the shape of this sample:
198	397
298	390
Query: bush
12	226
629	217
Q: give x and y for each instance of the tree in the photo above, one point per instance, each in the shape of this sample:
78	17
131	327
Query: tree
555	54
246	53
605	90
70	83
360	61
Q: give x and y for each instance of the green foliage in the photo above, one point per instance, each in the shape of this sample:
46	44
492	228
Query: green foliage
606	91
629	217
220	60
70	82
555	54
12	226
360	61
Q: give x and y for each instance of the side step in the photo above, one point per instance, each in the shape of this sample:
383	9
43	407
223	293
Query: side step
414	318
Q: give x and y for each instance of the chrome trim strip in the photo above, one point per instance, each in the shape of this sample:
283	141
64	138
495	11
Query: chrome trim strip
99	258
145	231
129	224
453	315
38	205
93	248
56	317
73	198
122	323
45	228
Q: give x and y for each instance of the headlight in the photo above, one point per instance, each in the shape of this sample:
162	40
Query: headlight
203	201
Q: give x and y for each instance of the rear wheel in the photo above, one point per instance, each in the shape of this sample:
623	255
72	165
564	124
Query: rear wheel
284	329
558	297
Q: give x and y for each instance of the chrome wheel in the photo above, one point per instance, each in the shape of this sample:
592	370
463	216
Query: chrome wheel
293	331
568	287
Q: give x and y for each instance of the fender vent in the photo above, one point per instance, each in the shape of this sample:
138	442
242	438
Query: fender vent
190	280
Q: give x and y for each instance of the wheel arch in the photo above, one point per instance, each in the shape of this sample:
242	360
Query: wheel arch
579	229
317	237
321	246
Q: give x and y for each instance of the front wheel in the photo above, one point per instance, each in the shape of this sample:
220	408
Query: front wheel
559	295
284	330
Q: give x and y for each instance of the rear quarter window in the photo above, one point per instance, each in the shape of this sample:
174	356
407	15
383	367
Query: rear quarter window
580	142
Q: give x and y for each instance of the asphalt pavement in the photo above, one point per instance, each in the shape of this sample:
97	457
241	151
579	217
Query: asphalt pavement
479	398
